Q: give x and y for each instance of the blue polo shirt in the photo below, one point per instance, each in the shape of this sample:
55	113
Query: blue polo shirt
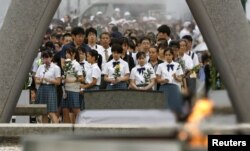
72	44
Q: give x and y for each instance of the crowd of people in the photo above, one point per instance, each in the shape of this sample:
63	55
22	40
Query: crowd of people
120	55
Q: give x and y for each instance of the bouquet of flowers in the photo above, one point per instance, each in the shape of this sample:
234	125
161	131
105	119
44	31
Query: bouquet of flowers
147	75
117	72
193	71
69	69
182	65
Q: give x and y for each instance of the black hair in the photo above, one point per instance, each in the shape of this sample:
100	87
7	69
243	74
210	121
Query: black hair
174	43
58	36
114	29
145	38
33	89
114	41
71	51
124	40
116	48
164	29
135	40
67	35
49	45
48	31
47	54
81	49
170	50
93	53
205	57
54	34
91	30
140	54
131	44
42	48
163	45
77	30
188	37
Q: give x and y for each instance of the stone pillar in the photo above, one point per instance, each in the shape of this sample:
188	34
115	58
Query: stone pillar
227	34
20	37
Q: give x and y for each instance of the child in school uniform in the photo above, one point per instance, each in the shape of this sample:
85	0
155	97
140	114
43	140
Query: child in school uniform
142	76
73	78
169	76
93	73
48	76
116	71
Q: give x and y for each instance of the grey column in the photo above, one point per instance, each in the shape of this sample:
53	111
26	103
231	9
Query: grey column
227	34
20	37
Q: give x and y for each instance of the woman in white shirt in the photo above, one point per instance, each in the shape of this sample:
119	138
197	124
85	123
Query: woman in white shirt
73	78
116	71
142	76
93	73
48	76
169	76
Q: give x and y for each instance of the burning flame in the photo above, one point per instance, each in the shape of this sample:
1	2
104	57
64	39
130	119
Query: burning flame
202	109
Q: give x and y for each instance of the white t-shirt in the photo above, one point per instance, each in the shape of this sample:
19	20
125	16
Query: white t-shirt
167	72
110	69
85	65
51	73
142	73
93	72
188	62
95	47
76	68
195	57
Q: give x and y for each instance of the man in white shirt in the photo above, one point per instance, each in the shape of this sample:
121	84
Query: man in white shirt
187	61
91	35
164	33
189	51
105	52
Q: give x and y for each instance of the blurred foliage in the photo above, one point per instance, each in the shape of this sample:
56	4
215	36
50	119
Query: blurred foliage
216	81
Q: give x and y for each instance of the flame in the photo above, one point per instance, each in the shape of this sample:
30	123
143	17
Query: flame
202	109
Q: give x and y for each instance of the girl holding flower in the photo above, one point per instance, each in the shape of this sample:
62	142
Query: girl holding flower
116	71
93	73
169	76
73	78
142	76
48	76
85	66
